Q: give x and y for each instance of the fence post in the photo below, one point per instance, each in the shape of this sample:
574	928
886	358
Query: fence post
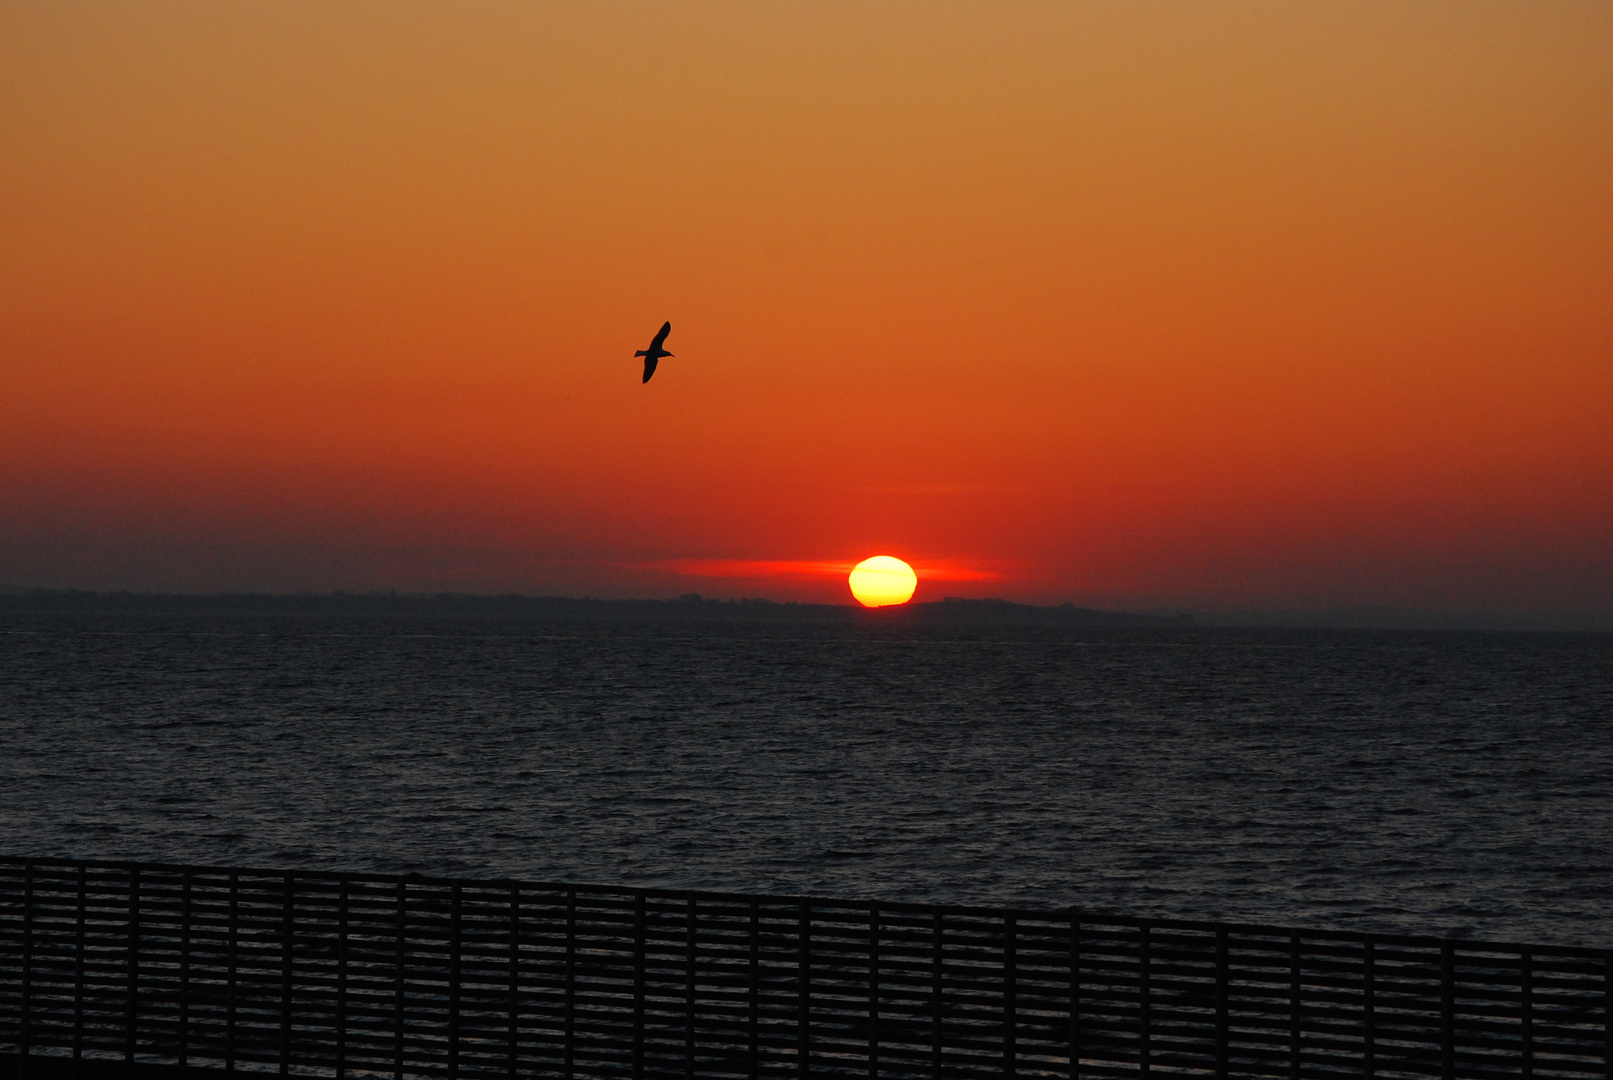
804	1006
1010	995
638	985
131	1010
1293	1007
287	901
399	986
936	1000
571	982
873	991
688	988
1526	1007
755	985
1369	1006
1144	993
1223	1004
1447	1036
184	968
515	984
1607	1012
233	949
1075	995
456	948
343	902
79	947
24	1010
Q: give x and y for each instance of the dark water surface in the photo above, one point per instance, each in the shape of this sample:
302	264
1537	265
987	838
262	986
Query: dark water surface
1431	782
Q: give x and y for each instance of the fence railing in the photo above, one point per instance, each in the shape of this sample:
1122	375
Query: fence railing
322	974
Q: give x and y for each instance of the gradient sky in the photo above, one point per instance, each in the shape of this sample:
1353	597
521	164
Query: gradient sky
1215	306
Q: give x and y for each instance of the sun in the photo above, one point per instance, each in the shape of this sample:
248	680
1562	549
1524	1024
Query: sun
883	581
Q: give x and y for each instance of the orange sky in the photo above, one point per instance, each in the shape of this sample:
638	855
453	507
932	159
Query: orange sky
1214	306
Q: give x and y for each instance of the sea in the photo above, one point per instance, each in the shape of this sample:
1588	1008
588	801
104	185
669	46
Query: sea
1455	783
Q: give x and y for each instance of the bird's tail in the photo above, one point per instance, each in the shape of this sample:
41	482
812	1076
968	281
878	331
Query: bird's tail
642	352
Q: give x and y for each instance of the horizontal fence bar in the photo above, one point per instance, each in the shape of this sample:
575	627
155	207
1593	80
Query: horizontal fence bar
133	966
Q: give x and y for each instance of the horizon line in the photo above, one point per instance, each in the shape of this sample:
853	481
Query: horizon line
1353	617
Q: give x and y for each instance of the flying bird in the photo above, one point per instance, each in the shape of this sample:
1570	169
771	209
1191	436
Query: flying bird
653	354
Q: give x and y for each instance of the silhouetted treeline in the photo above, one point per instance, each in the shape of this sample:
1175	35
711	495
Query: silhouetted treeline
691	605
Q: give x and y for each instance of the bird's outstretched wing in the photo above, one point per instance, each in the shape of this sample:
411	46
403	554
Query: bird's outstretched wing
666	328
650	360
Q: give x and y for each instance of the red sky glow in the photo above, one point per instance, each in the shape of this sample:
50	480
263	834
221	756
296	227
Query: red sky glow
1154	305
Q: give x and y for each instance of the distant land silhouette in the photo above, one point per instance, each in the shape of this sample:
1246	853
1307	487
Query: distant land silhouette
689	606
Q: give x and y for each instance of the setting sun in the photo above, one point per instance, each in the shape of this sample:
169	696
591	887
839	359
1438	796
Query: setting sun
882	581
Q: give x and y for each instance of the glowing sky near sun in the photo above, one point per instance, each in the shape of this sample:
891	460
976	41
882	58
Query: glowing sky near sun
1211	305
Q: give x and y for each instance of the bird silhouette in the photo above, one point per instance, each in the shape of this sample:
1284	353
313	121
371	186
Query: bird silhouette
653	354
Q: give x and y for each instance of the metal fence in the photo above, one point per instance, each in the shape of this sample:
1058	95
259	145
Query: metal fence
322	974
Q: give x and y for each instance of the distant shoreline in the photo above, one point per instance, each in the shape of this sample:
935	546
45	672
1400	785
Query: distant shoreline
463	605
951	611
